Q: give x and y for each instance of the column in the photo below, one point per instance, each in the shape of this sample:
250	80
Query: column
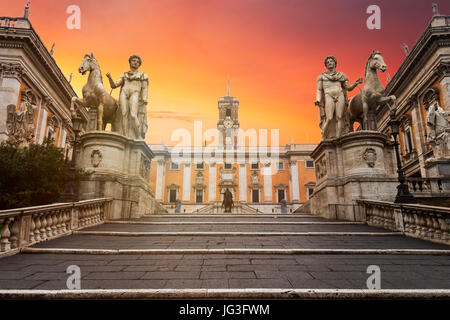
187	183
267	173
9	91
419	130
212	182
159	192
294	181
43	126
242	182
444	74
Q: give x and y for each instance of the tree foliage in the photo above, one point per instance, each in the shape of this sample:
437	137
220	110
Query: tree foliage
34	175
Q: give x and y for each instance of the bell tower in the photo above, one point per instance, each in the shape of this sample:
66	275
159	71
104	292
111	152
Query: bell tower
228	124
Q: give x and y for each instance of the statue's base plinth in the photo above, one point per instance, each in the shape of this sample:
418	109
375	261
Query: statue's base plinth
120	169
359	165
438	167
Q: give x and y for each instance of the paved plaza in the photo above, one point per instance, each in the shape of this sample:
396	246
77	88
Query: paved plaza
221	252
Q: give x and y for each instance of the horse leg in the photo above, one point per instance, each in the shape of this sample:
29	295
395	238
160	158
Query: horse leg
100	117
365	122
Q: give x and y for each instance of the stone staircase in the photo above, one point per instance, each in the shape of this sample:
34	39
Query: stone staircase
229	255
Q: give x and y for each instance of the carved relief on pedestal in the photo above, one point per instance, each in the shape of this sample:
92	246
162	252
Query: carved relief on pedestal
96	158
20	122
370	156
321	168
144	169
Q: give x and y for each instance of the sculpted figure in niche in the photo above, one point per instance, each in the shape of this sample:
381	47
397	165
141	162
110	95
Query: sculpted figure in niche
438	130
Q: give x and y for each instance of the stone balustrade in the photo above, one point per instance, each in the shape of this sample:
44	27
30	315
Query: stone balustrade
23	227
428	185
10	22
418	221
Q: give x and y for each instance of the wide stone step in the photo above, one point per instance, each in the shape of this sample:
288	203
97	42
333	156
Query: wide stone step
220	271
199	227
249	241
213	219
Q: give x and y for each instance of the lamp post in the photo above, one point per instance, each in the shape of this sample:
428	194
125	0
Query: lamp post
77	125
403	194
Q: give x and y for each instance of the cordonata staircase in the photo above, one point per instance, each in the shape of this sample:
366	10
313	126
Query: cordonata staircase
213	255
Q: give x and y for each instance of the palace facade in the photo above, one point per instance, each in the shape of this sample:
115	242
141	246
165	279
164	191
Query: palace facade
422	80
34	94
259	178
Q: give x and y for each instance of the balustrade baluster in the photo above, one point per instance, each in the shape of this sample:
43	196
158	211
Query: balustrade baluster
15	231
49	219
5	244
43	229
59	219
32	238
54	222
407	221
37	230
436	228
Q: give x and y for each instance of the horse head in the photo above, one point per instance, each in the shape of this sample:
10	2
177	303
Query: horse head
89	63
376	61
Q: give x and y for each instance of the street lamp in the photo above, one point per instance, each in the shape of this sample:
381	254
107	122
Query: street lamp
403	194
77	125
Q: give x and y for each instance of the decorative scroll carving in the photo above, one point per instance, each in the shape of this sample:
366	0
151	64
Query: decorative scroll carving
430	97
443	70
11	70
199	181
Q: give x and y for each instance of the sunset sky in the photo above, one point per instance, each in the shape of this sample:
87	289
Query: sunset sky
271	50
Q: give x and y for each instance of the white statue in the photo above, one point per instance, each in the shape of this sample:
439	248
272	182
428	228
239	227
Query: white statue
331	98
438	131
133	99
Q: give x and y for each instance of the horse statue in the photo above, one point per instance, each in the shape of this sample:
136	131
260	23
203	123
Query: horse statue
362	106
96	97
227	201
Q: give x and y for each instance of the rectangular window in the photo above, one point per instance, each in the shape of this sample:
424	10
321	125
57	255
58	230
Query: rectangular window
280	166
409	140
199	196
280	194
255	166
174	166
200	166
255	195
173	196
227	165
309	164
310	192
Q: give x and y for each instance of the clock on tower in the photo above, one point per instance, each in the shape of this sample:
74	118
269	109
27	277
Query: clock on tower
228	124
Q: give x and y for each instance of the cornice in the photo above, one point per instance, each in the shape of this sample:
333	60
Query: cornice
431	39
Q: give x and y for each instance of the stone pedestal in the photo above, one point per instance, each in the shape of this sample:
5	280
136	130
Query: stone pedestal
120	169
439	172
359	165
